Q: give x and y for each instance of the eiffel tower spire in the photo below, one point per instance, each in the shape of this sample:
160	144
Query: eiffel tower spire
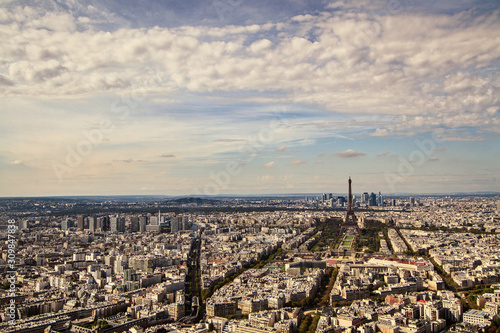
349	208
350	217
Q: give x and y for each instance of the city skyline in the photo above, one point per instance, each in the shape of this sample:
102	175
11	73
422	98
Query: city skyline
238	98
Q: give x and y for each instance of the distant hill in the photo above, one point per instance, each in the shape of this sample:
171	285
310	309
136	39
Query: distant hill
192	201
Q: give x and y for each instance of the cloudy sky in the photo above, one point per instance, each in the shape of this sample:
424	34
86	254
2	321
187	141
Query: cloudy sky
248	97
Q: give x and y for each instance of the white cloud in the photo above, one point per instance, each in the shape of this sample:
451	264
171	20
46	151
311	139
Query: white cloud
260	46
359	63
380	132
269	164
265	178
349	153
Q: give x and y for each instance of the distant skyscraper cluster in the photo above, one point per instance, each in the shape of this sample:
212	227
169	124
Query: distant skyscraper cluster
372	200
366	199
135	223
179	223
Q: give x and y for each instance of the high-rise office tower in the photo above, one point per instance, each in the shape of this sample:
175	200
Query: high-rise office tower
380	202
373	199
185	223
104	223
142	223
153	220
99	224
365	197
113	222
327	196
66	224
175	224
79	222
121	224
92	224
134	224
117	224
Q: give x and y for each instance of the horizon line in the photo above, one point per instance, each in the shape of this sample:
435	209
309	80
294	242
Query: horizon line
306	194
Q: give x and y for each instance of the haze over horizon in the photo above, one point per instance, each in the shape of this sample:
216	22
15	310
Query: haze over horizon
240	97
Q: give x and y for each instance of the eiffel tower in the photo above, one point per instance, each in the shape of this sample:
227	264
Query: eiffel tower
350	220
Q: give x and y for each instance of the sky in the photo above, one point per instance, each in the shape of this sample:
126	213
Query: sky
246	97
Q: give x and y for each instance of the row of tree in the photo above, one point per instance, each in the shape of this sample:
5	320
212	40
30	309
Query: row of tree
309	323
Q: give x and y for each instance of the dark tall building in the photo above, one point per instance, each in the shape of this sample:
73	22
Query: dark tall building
185	223
79	222
176	224
142	223
99	224
373	199
134	224
104	223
